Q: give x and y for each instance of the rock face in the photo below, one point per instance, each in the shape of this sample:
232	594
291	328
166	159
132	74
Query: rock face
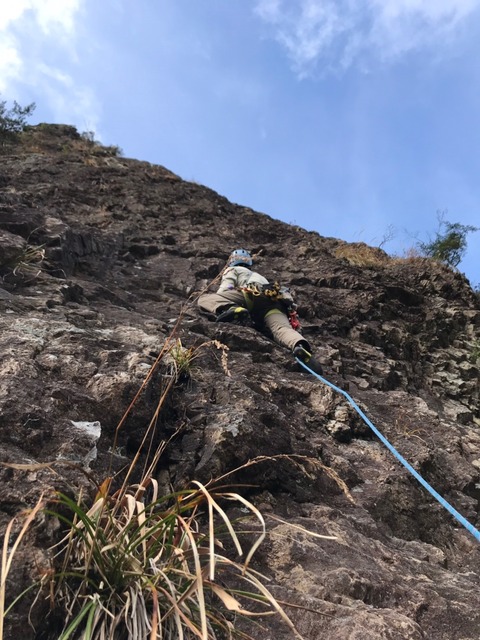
99	255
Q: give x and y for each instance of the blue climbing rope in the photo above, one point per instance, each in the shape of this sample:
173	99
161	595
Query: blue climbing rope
475	532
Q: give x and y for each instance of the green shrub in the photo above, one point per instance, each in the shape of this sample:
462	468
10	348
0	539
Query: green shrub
13	121
450	242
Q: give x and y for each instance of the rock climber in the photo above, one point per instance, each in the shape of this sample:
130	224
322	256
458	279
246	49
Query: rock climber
245	296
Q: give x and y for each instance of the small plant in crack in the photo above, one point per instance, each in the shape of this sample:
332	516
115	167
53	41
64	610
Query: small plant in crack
181	359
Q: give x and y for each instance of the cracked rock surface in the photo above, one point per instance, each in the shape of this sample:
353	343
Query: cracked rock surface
98	257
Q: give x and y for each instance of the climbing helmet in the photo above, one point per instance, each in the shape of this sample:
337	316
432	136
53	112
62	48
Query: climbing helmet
240	256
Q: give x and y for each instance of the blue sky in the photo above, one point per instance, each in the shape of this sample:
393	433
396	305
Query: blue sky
358	119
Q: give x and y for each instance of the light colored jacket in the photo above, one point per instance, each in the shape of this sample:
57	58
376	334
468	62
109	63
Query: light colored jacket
239	277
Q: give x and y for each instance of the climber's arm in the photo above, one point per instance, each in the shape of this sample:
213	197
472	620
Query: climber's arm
229	280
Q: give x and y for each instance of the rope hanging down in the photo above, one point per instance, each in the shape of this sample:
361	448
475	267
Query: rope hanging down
458	516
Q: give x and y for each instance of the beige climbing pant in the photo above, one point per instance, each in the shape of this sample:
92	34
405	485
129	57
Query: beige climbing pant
218	302
275	320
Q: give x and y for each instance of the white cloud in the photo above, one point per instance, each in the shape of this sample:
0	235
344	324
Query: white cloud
10	62
69	103
56	15
337	33
33	33
430	11
404	25
49	15
12	11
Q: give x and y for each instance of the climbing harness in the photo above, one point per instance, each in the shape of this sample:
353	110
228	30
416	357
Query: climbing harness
458	516
274	294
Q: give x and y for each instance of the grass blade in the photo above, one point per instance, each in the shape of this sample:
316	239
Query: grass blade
7	557
77	620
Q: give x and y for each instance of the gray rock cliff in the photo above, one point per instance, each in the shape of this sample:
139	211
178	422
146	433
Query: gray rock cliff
98	257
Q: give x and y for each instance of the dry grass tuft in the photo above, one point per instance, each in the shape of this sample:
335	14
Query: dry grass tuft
137	566
9	551
30	261
361	255
412	255
182	359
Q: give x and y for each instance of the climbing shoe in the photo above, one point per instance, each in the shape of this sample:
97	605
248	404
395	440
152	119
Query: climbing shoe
238	315
300	352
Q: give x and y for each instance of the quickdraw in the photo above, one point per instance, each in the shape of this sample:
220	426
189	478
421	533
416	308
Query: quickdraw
293	319
273	291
